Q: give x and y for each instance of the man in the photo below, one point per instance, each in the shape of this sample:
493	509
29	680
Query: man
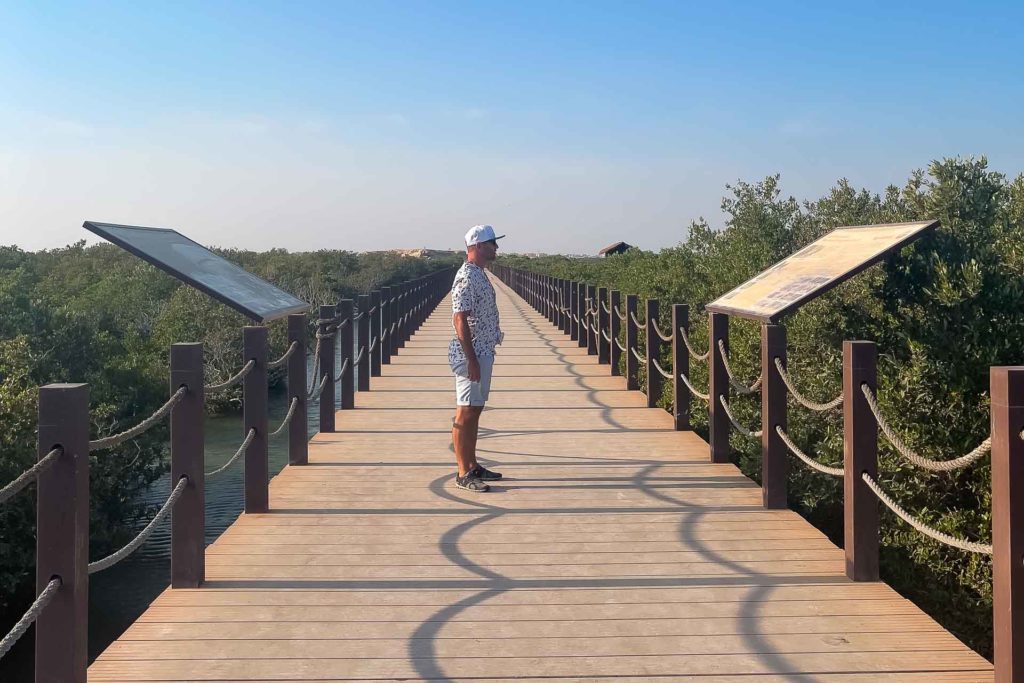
471	353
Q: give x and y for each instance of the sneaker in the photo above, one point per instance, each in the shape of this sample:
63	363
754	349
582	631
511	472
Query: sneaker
485	474
471	482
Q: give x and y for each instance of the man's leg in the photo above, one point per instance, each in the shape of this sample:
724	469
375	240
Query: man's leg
464	432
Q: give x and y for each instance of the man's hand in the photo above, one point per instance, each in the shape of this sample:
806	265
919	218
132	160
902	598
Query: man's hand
473	365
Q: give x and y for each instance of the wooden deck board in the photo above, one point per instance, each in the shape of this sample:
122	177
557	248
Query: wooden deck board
613	550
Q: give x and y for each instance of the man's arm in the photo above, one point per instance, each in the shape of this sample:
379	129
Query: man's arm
465	336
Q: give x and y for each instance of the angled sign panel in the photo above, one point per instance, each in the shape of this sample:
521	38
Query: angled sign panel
195	265
815	269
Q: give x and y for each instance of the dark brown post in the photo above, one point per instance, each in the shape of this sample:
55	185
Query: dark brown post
375	318
581	304
616	327
591	320
632	364
574	323
328	338
403	309
654	378
603	352
385	325
62	533
348	387
1007	387
188	458
393	315
680	366
364	342
254	416
298	441
860	454
718	422
774	458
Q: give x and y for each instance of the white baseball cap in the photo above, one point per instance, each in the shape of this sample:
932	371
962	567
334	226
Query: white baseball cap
481	233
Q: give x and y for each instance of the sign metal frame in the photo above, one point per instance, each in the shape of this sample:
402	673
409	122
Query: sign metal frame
918	229
104	231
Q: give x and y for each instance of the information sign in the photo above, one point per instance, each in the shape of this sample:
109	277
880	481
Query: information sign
815	269
199	267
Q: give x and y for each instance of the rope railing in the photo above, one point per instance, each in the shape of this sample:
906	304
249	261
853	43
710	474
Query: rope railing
931	532
249	436
287	418
808	460
359	356
33	612
315	394
739	386
904	450
246	369
636	322
639	356
664	373
689	347
344	369
29	475
622	347
657	330
605	307
693	390
284	359
739	427
607	336
800	398
161	412
373	344
621	314
133	545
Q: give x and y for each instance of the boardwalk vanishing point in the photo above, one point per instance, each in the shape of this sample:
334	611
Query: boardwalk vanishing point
613	550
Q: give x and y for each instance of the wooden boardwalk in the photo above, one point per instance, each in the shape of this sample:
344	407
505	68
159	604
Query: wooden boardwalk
613	550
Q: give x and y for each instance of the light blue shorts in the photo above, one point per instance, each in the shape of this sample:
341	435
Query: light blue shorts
473	393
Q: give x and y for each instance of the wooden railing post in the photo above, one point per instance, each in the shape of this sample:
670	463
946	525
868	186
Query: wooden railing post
581	313
591	320
62	533
632	364
363	337
654	378
574	310
718	421
386	321
346	334
188	458
254	416
680	366
298	441
375	327
328	341
860	454
403	322
774	458
615	353
603	352
566	317
1007	390
393	317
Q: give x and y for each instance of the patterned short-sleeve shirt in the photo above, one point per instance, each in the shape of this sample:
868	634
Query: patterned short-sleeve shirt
472	292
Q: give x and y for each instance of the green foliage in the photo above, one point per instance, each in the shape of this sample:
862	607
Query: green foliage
942	312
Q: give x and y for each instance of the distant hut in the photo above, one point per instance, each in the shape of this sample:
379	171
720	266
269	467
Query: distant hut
616	248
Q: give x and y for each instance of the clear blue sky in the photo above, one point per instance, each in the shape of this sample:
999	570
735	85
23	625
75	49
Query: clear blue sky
399	124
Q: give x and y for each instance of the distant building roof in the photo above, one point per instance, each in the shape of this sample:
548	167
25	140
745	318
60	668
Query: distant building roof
616	248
